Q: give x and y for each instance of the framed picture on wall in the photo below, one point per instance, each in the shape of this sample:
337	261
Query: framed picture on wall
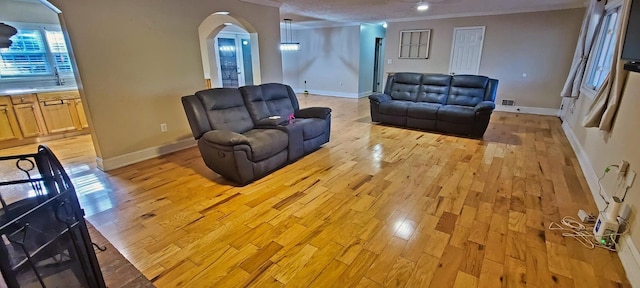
414	44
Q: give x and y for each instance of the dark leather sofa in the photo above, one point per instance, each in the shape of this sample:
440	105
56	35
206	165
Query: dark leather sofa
239	137
460	104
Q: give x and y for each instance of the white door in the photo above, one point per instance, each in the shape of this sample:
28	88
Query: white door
467	50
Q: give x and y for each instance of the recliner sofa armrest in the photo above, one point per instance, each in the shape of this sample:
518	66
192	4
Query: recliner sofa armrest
485	106
313	112
380	98
226	138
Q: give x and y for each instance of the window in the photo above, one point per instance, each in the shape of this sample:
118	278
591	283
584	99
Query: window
59	51
26	56
414	44
36	51
601	57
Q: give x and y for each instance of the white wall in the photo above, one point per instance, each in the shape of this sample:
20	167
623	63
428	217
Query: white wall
540	44
600	149
368	35
290	61
137	58
328	60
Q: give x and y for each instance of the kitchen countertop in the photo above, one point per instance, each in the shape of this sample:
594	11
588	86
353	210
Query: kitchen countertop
36	90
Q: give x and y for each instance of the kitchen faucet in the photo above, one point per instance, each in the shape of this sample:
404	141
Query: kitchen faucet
59	79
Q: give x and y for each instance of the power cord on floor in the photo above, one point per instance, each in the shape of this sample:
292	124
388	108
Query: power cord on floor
575	229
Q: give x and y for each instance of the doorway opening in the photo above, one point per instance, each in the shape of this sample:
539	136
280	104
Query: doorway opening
229	49
378	67
39	78
233	54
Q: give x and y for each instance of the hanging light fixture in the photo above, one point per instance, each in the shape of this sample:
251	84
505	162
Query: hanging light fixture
6	32
288	44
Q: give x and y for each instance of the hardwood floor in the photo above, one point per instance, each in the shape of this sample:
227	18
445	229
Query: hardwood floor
376	206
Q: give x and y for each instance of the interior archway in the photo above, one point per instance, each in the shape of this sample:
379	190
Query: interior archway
207	32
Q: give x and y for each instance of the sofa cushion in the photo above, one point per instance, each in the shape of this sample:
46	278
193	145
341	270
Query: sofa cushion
457	114
278	99
434	89
265	143
268	100
225	109
395	107
405	86
467	90
423	110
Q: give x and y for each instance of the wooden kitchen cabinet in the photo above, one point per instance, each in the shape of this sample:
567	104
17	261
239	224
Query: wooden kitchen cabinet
9	129
57	115
63	111
82	122
37	117
28	115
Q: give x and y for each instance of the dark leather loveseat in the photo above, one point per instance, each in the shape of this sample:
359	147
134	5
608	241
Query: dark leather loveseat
460	104
244	134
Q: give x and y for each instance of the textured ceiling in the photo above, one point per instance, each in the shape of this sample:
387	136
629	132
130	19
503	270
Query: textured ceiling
354	11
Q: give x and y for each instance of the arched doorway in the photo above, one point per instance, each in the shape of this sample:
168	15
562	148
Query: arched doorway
234	40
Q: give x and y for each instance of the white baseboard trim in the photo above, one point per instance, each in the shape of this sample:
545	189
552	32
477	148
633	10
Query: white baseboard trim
144	154
589	173
330	93
630	259
528	110
628	252
365	94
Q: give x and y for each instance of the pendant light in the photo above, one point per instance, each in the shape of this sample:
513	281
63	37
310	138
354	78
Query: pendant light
288	44
6	32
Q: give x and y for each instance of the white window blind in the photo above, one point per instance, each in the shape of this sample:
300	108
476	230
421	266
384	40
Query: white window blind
37	50
26	56
59	51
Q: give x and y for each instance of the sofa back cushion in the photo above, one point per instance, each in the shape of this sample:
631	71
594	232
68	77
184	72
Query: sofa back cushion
270	99
225	109
405	86
467	90
434	88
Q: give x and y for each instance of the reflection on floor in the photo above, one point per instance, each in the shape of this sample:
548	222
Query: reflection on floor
376	206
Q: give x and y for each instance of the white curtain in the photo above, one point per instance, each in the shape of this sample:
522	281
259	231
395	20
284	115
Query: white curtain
587	36
604	107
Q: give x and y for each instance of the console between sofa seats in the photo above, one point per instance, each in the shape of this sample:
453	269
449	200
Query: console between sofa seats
307	132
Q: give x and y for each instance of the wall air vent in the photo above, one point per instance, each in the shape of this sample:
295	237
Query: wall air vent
508	102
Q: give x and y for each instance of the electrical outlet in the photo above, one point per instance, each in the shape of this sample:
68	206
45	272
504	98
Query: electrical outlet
631	176
622	168
163	127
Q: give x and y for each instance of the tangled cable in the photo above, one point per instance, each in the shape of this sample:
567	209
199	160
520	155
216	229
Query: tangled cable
583	233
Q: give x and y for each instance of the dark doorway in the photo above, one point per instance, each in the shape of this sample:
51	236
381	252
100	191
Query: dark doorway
377	66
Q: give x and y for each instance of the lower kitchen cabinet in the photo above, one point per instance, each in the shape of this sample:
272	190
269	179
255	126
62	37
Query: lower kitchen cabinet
9	129
28	115
57	115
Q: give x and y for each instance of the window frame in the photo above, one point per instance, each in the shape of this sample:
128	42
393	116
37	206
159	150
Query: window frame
610	8
42	28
